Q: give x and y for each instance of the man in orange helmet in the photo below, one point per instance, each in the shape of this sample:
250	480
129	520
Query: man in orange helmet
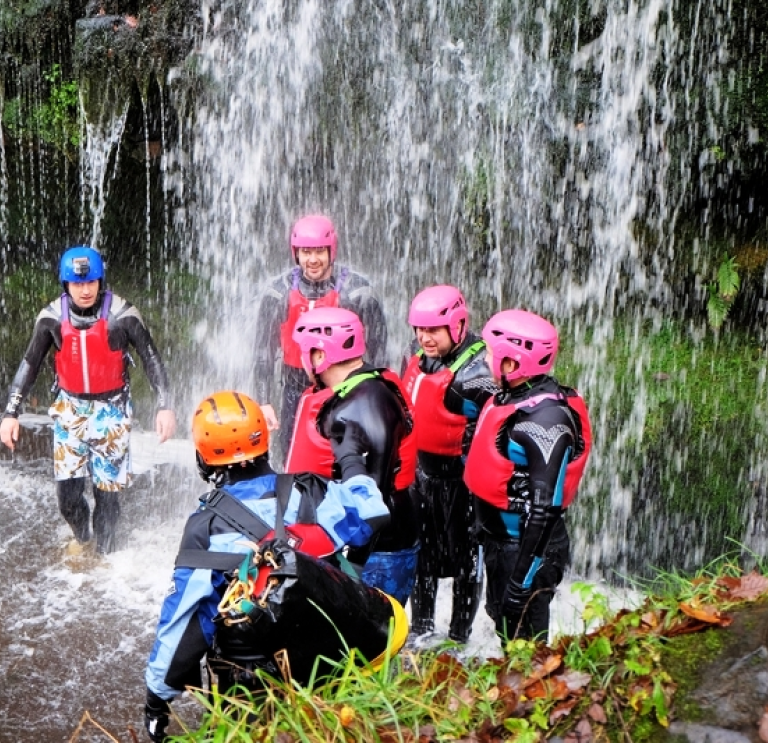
308	606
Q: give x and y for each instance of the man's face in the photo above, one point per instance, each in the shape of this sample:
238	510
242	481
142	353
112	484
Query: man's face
84	293
315	263
435	342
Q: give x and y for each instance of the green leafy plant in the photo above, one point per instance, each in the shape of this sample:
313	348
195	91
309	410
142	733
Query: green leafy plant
722	291
58	118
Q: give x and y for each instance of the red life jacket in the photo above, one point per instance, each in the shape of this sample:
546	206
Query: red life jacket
298	304
86	364
439	431
310	451
488	471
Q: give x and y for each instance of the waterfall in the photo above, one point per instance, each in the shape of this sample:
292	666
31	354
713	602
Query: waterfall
522	153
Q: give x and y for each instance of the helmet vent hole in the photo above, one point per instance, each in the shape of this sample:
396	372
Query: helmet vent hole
349	342
529	345
218	451
544	361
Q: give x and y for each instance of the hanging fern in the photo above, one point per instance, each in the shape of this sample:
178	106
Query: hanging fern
722	292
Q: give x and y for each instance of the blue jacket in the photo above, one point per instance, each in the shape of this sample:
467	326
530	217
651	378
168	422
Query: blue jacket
349	512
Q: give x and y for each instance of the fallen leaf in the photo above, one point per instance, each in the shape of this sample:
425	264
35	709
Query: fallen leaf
562	709
597	713
762	730
752	587
702	612
582	733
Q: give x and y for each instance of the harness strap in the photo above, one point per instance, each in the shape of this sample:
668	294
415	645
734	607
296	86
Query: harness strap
242	519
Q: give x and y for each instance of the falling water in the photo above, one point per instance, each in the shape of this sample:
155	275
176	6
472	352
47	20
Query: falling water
516	151
105	113
504	148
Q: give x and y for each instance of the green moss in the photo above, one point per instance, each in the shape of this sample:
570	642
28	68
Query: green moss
686	658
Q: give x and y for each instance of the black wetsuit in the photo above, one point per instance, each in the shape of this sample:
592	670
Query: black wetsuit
546	434
355	294
449	546
126	328
377	408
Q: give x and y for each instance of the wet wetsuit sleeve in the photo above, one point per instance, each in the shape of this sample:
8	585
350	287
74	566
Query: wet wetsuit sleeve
544	440
362	300
127	327
46	333
269	317
471	388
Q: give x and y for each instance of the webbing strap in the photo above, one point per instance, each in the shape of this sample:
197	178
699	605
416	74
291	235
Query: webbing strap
242	519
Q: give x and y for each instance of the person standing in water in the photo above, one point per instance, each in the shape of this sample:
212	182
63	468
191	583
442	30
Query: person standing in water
449	383
526	461
347	390
91	330
315	281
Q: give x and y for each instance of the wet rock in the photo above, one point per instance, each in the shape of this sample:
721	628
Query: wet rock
730	692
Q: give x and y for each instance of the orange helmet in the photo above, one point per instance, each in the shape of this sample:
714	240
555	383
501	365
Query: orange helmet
228	428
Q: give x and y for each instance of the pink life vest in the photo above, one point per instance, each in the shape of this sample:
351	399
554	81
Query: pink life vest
488	471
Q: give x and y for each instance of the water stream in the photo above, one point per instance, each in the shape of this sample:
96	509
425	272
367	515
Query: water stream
420	127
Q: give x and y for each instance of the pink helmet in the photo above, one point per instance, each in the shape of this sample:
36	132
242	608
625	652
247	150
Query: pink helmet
526	338
334	330
437	306
314	232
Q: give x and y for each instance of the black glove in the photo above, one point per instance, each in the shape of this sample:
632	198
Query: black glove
349	453
156	717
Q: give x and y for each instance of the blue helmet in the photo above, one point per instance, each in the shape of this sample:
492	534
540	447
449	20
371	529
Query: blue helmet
81	264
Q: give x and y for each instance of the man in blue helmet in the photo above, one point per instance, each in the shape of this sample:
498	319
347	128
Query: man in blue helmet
91	330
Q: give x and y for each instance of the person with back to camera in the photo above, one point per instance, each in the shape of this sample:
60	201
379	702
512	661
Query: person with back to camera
347	389
449	383
524	466
91	330
315	281
258	575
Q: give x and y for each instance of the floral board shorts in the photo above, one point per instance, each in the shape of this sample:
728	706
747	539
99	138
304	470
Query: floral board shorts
92	437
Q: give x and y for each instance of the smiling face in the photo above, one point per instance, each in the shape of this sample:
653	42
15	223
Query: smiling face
435	342
84	293
315	263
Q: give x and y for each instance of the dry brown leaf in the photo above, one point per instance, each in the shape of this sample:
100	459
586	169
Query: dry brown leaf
543	668
553	689
752	587
702	612
597	713
576	680
582	733
562	709
762	730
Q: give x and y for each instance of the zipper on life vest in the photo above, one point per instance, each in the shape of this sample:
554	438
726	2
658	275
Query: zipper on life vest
84	362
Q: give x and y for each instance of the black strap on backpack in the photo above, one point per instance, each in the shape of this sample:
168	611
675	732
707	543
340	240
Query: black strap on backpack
241	519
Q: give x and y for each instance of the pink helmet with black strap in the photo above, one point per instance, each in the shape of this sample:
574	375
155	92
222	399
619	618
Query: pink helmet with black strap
314	231
524	337
437	306
334	330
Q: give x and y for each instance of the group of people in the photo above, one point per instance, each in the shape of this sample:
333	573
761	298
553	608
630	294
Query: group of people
460	465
